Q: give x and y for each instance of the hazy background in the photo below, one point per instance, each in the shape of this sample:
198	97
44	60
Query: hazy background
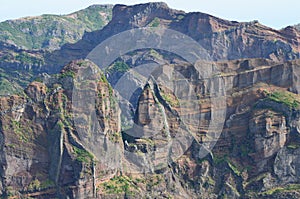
274	13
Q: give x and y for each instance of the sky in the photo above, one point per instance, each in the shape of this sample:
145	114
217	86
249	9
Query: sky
274	13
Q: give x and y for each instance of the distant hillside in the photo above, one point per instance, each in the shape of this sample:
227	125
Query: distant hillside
52	31
297	26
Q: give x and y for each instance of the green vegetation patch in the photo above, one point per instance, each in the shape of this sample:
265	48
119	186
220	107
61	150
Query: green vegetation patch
235	170
285	98
155	54
82	155
23	132
9	88
103	78
169	97
219	159
118	66
47	184
180	17
114	137
155	22
291	187
293	146
119	184
68	74
38	185
26	58
34	185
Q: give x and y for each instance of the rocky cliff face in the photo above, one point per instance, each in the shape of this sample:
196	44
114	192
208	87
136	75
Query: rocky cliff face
40	148
173	132
49	149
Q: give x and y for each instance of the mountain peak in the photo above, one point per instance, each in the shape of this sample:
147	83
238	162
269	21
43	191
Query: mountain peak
143	12
101	6
152	5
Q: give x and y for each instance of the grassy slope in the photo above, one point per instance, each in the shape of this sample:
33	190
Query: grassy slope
52	31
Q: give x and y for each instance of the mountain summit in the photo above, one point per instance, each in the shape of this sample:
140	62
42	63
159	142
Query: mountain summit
224	40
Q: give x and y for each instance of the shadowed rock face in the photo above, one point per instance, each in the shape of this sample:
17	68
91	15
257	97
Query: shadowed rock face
67	135
224	40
